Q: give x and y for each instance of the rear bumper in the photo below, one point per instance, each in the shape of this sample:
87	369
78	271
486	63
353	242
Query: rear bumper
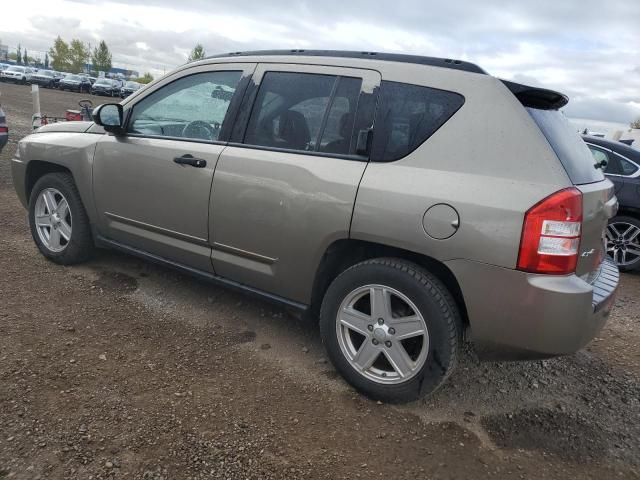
515	315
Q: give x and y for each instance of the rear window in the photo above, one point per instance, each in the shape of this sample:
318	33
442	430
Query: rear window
407	115
568	146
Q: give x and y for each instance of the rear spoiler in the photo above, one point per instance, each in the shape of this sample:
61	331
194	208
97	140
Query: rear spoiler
534	97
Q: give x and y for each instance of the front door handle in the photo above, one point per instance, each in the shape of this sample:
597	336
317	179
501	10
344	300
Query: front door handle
188	159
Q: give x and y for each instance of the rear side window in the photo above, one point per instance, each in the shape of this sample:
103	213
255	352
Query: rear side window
568	146
305	112
408	115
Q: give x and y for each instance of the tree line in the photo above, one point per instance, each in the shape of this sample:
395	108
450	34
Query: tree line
73	57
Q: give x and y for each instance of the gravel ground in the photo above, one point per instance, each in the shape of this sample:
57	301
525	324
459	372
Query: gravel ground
122	369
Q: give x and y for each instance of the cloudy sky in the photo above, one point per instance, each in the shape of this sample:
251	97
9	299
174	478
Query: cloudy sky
587	49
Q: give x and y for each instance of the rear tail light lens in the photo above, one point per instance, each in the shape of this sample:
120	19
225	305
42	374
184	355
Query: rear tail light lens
4	129
551	234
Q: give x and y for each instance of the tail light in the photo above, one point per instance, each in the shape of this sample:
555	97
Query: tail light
551	234
4	129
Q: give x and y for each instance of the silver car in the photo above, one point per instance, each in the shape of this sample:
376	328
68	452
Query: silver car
17	74
406	202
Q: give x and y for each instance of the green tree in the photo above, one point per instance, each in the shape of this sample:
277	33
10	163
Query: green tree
25	57
59	54
197	53
46	61
78	55
19	54
635	123
101	57
146	78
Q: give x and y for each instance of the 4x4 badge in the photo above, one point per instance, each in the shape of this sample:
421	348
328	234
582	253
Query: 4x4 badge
586	254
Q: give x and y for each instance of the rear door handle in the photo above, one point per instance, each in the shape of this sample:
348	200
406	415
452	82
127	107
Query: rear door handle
189	159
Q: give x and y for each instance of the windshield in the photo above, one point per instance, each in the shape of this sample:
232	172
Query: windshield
73	78
132	85
15	69
568	146
46	73
103	81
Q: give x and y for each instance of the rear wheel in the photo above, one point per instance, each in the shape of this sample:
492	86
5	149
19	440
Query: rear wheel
623	242
391	329
59	224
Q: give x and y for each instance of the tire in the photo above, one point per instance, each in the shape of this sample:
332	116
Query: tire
79	246
623	239
431	302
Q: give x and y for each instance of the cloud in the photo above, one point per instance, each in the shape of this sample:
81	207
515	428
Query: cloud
584	48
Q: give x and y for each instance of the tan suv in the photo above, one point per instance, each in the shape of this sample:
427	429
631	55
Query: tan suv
401	199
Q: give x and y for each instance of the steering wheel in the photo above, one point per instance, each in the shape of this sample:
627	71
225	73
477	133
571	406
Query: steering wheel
198	129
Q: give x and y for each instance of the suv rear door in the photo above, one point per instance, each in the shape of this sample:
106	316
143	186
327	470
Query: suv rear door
284	188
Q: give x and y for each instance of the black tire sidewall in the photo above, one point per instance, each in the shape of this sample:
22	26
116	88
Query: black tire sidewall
442	355
634	221
81	243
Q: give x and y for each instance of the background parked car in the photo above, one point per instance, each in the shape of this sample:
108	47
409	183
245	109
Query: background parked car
17	74
59	76
4	129
623	169
106	86
75	83
128	88
45	78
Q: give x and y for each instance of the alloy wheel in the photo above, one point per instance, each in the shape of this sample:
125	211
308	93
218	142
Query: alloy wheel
382	334
623	243
53	220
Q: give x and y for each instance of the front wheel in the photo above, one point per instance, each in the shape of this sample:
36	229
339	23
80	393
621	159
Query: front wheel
59	223
391	329
623	242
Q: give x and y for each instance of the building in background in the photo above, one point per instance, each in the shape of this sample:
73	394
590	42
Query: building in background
4	52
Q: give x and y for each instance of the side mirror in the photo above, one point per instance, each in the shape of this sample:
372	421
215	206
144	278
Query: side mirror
109	116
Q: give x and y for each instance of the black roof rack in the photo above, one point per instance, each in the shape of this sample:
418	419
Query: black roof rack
389	57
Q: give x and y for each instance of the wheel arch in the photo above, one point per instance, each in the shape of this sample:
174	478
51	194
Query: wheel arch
36	169
344	253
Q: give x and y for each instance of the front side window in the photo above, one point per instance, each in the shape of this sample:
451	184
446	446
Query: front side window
192	107
407	116
601	156
304	112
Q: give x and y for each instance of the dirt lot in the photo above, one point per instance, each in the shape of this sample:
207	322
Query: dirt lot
121	369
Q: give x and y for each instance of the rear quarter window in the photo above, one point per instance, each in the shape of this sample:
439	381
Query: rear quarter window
407	115
568	146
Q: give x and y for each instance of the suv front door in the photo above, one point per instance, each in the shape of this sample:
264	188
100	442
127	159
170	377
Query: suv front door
285	186
152	185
